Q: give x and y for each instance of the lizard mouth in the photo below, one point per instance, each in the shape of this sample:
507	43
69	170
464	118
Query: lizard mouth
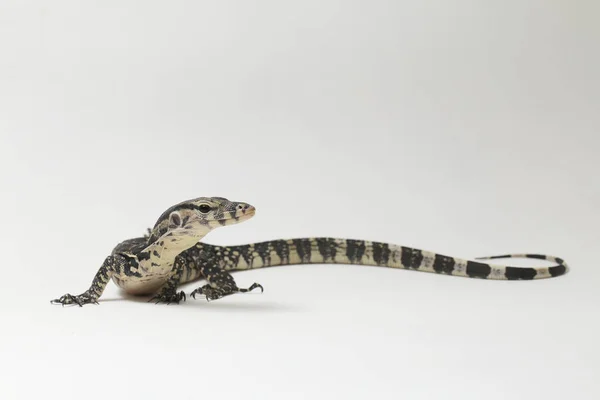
246	214
199	229
239	217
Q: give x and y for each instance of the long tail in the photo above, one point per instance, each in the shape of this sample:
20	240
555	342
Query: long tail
323	250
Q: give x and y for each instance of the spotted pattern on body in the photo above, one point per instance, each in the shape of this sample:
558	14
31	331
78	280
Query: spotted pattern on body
324	250
171	254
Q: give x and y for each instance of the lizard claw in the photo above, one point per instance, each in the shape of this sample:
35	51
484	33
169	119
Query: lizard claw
80	300
170	297
208	291
215	293
252	287
195	292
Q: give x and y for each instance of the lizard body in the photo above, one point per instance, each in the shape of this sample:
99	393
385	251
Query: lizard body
149	265
171	255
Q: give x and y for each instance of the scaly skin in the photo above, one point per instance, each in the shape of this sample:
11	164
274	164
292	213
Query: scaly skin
170	255
148	265
324	250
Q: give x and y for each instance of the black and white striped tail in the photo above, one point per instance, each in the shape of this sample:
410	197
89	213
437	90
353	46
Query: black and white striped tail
322	250
514	273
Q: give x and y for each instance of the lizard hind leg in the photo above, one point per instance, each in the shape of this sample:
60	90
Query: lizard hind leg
220	284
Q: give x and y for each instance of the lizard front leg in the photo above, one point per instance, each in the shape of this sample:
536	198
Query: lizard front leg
220	284
108	268
168	292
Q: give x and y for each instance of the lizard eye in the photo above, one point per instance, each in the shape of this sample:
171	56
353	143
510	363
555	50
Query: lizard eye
204	208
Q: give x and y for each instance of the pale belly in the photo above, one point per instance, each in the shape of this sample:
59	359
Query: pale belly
151	279
141	286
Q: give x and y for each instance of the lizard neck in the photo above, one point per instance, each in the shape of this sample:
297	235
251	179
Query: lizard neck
162	252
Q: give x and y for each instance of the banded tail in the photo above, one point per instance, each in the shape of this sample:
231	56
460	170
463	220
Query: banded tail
324	250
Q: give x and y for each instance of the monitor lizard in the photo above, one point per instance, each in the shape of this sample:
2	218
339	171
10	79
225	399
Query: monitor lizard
170	254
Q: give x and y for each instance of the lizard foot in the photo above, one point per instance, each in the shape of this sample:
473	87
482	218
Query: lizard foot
168	297
252	287
80	300
214	293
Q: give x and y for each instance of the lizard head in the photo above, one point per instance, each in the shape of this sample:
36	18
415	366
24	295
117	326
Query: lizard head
192	219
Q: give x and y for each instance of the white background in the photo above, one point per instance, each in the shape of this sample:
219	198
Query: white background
464	127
